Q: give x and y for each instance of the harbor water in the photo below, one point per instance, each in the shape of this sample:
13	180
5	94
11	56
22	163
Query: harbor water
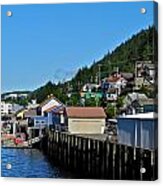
28	163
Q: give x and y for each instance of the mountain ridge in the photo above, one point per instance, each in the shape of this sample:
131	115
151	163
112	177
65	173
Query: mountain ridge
139	46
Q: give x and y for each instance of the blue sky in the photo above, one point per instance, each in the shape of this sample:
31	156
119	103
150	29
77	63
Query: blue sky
50	42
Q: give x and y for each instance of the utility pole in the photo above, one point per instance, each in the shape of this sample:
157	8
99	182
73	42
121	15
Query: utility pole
99	72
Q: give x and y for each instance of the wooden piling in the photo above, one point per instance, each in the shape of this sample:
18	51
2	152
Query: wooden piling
94	158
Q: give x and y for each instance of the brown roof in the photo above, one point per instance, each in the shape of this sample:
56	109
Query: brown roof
30	113
127	75
85	112
148	101
113	79
112	90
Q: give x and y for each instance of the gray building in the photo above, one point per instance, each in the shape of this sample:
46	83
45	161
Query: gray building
139	130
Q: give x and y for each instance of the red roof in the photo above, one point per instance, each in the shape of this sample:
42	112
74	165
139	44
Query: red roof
85	112
113	79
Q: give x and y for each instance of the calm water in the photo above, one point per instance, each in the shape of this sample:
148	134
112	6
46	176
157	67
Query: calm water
29	163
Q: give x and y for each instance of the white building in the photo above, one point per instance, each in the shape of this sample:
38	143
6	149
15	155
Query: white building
8	108
33	104
113	86
15	95
90	87
51	102
139	130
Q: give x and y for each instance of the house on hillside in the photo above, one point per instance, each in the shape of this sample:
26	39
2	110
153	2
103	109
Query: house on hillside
144	74
91	91
139	103
128	76
150	72
90	87
85	120
113	86
145	105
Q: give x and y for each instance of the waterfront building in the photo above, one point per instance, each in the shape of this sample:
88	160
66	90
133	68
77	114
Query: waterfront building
138	130
85	120
32	104
6	108
50	102
9	108
20	114
55	117
30	113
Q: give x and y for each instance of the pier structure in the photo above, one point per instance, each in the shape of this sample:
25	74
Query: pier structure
94	157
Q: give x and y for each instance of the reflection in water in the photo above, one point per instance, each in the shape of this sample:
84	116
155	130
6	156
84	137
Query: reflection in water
28	163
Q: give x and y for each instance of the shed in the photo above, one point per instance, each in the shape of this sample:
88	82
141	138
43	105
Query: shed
85	120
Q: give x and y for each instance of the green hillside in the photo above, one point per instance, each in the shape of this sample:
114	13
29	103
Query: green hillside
138	47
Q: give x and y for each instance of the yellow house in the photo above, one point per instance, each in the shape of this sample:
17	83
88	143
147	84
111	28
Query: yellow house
20	113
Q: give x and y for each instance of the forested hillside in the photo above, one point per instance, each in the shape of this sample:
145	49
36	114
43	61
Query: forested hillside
138	47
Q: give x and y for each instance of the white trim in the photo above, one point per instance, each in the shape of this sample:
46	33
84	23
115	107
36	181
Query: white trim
149	115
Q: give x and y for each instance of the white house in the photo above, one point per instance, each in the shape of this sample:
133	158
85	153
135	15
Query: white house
90	87
50	103
113	86
139	130
55	117
150	72
85	120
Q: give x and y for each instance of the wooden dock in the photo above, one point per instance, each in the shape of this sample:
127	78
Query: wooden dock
31	143
93	156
